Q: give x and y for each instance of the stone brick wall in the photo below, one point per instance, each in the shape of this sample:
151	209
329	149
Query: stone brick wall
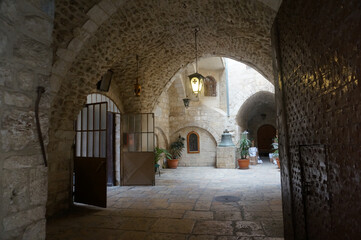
25	64
207	155
318	70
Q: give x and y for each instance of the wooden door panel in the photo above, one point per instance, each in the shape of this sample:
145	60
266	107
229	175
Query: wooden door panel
90	181
265	135
138	168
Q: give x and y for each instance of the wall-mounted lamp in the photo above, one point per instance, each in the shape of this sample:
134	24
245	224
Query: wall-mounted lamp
196	79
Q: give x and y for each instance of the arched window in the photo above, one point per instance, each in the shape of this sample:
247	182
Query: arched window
210	86
193	142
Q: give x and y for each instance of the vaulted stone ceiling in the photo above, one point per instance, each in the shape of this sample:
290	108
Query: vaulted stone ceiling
110	33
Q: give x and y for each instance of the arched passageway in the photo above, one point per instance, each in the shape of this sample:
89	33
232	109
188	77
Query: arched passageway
316	71
259	109
112	33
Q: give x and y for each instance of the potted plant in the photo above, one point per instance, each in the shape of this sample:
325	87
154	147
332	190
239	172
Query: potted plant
244	146
158	154
276	153
175	151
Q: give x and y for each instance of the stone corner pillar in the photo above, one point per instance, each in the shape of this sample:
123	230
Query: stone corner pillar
226	157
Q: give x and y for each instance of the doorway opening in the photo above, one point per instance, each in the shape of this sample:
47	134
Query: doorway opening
265	135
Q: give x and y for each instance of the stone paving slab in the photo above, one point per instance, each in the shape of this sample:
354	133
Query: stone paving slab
183	206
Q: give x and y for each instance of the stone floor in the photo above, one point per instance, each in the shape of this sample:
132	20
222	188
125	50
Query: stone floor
183	205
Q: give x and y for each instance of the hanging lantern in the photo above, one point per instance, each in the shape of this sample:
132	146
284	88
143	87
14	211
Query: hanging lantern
196	79
186	102
196	82
137	87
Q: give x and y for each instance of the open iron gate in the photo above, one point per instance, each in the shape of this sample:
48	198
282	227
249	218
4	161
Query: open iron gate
138	149
90	162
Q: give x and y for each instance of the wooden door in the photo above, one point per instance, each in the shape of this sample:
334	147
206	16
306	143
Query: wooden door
316	198
138	149
265	135
90	162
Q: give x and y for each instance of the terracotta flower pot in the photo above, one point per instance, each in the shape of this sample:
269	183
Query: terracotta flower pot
172	163
243	163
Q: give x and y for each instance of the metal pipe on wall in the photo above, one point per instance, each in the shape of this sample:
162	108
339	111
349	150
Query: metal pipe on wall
227	87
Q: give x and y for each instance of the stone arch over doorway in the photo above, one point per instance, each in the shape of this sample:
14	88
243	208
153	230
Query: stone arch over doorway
257	110
215	136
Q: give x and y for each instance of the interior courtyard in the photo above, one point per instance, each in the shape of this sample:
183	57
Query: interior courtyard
89	89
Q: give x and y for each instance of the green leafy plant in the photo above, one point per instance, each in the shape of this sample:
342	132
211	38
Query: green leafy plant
244	145
177	147
275	147
158	154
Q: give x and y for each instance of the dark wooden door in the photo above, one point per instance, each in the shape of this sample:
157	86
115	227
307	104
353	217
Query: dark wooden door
90	162
265	135
315	191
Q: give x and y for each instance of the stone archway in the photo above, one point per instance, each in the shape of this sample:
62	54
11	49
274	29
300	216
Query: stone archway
104	35
257	110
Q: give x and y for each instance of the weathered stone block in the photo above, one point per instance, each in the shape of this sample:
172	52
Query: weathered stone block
5	74
19	129
23	218
226	157
97	14
25	80
38	186
39	27
36	230
33	53
8	10
16	162
17	99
